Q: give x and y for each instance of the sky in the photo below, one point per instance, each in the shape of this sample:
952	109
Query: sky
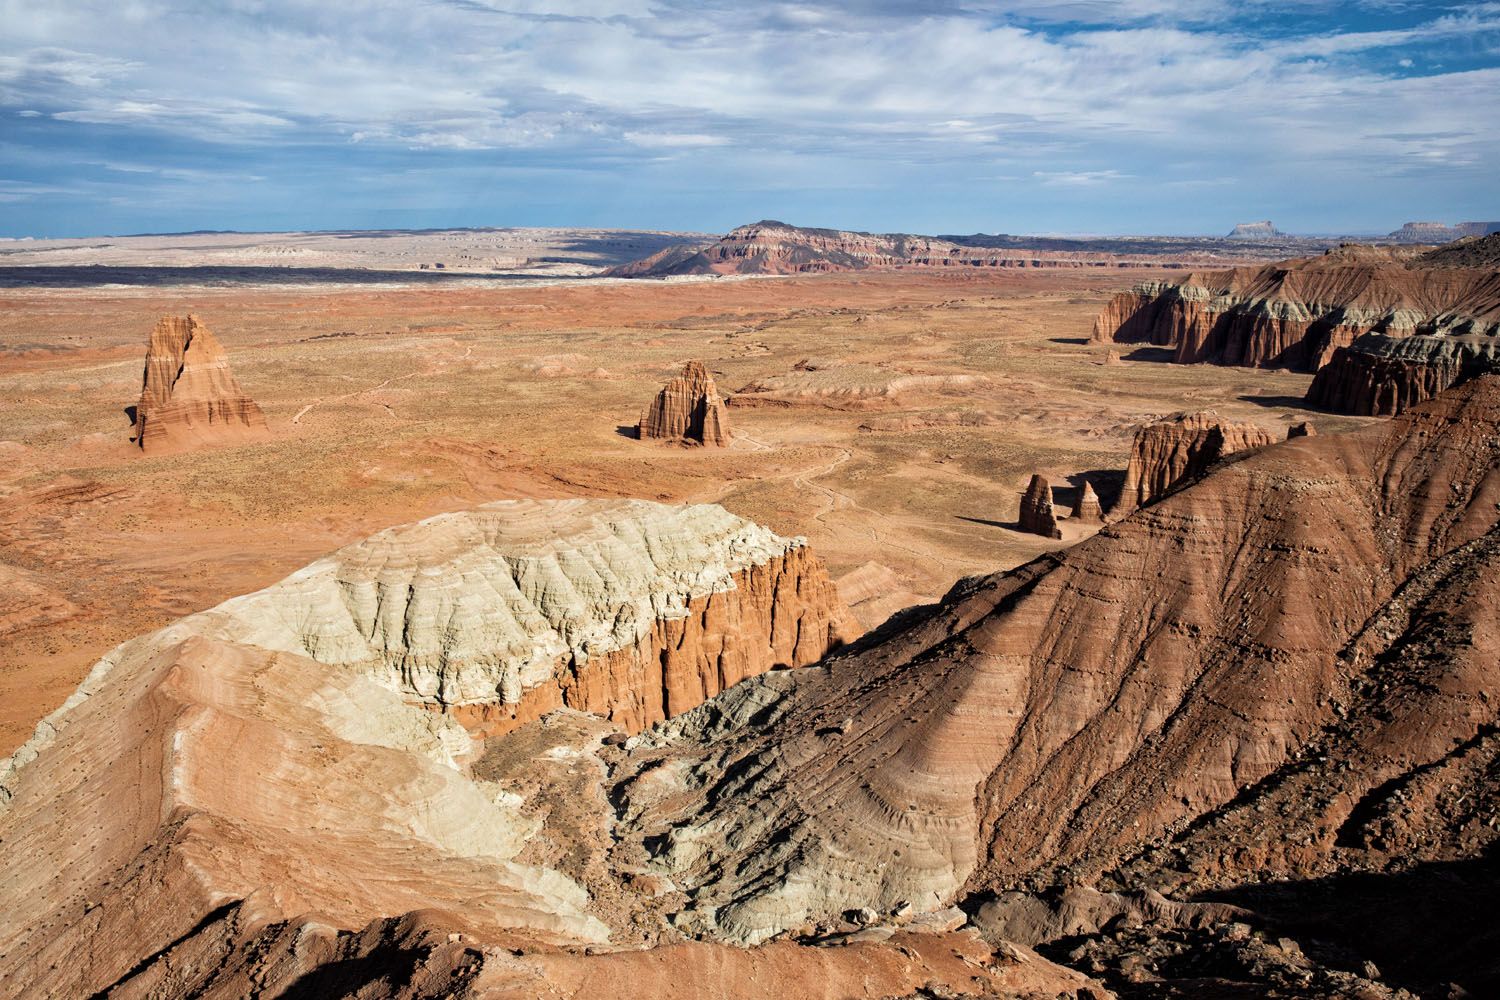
927	116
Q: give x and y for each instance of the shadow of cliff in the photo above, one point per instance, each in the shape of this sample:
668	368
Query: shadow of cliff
1107	484
1434	924
1272	402
1164	355
1008	525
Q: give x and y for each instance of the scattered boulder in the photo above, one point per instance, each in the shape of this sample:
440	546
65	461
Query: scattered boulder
1037	516
189	398
1086	509
1181	447
688	408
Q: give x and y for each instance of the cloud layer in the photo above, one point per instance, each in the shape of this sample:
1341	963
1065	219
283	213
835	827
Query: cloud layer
1030	115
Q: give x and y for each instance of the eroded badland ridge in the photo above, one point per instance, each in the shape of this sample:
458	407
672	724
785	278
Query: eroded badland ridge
978	659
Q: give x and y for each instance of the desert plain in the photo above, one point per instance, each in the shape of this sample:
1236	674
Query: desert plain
893	418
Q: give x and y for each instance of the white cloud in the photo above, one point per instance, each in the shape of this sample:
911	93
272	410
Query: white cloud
673	140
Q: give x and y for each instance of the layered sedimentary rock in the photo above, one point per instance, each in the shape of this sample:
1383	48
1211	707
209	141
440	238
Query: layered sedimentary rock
1037	516
1442	232
246	803
770	247
631	610
1254	231
1169	452
188	395
1297	313
1284	671
1275	686
688	408
1086	509
1380	376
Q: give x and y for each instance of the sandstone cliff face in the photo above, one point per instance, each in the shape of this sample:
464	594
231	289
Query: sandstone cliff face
628	609
1086	509
1037	516
1169	452
1268	674
688	408
1297	313
1381	376
188	395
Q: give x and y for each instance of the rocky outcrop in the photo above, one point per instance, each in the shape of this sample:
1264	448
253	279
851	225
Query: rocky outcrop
689	409
631	610
1275	674
1380	376
1469	252
1272	688
189	397
1297	313
1169	452
1086	509
1303	428
1037	516
1254	231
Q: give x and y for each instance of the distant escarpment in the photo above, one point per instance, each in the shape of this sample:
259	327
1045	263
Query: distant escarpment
1169	452
770	247
1442	232
687	409
1297	313
188	395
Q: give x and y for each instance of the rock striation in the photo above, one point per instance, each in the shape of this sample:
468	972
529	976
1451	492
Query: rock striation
1086	509
1297	313
189	398
1379	375
245	804
631	610
1169	452
1281	673
1272	688
688	408
1037	516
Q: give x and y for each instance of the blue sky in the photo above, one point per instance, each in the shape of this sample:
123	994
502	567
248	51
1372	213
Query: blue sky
1098	116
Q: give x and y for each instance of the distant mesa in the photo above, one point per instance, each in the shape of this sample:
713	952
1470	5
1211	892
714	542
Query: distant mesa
1170	452
189	397
1442	232
1342	314
1037	516
1255	231
769	247
687	409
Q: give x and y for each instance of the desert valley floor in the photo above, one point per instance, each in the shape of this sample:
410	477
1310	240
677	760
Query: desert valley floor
892	418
